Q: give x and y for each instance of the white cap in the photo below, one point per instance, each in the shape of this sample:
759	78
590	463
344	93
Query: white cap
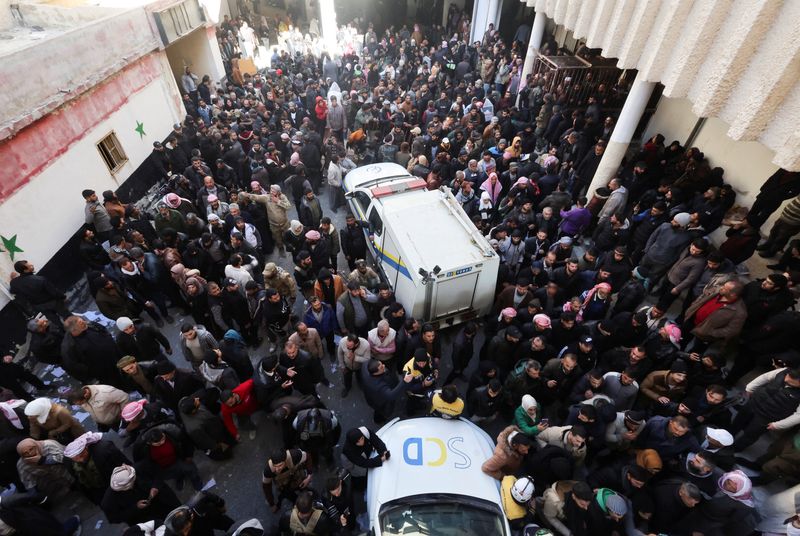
124	323
683	218
720	435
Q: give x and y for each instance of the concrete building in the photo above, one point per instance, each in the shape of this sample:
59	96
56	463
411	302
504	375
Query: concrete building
76	81
729	72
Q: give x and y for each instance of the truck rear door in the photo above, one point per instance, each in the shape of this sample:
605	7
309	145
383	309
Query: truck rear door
455	294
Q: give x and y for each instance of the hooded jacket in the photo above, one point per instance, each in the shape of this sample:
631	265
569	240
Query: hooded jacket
505	459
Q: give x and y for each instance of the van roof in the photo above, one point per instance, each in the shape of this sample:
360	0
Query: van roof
374	173
419	217
434	455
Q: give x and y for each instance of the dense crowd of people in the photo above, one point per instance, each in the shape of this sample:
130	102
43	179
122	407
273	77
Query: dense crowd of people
610	364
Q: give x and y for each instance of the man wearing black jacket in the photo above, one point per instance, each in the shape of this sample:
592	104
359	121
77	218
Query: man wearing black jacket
90	352
172	384
382	389
141	340
35	293
354	244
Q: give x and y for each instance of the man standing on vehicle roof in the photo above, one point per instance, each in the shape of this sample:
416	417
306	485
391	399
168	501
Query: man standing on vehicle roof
354	244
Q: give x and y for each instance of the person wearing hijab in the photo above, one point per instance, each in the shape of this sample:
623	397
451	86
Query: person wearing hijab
130	500
486	207
52	421
295	237
92	459
181	276
41	467
493	187
729	512
526	417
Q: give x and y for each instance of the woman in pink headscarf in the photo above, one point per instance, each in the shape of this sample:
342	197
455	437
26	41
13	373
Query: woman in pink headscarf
595	302
492	187
727	513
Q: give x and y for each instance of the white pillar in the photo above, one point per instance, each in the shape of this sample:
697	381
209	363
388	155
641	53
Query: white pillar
474	21
534	44
483	13
629	118
495	7
328	26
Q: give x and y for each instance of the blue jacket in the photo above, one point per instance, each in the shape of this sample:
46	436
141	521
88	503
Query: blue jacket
654	436
328	323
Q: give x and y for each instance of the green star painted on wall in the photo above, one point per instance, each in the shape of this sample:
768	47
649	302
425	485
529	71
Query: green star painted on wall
140	129
10	245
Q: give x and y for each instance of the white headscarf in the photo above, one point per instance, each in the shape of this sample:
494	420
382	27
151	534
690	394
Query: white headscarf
39	408
8	408
743	487
529	402
123	478
78	445
486	201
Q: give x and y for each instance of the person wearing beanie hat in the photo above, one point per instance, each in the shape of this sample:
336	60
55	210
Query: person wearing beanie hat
615	505
665	245
171	384
141	340
662	389
626	426
143	374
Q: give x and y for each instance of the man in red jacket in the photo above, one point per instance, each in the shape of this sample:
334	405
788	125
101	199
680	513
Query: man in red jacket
239	401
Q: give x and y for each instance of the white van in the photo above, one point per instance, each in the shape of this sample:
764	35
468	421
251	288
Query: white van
441	268
433	484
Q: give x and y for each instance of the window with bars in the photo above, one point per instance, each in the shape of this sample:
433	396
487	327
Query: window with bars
112	153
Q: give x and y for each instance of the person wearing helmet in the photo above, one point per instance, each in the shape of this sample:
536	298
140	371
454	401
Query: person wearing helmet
518	501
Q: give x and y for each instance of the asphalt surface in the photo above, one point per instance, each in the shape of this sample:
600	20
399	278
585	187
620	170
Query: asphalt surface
238	480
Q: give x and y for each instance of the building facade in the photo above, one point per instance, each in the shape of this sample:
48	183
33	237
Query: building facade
730	71
84	93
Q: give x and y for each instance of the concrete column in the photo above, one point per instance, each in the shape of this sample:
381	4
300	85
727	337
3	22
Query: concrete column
328	25
484	12
474	20
534	44
629	118
495	9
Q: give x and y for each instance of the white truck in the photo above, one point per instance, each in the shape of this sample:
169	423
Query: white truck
433	484
441	268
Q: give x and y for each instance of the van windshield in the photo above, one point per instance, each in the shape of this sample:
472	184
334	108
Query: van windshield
444	517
